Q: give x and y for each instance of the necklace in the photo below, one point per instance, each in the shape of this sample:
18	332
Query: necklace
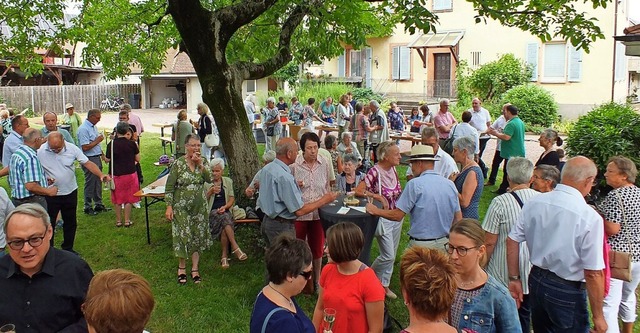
468	283
466	166
281	294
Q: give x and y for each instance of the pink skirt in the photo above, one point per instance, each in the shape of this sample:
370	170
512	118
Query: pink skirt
126	186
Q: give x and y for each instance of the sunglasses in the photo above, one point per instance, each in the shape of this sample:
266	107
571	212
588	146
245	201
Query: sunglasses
306	275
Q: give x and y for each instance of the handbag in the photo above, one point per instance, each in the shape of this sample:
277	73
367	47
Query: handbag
271	130
212	140
620	262
448	142
112	182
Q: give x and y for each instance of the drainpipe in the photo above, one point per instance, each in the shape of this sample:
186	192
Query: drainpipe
615	31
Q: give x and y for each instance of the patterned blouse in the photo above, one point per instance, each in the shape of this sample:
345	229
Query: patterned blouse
396	120
270	115
622	206
315	180
307	116
390	185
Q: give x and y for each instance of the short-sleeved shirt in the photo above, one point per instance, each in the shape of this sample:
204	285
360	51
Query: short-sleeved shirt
135	120
379	135
445	166
279	193
181	133
282	106
500	218
361	125
272	114
281	321
11	144
25	168
348	294
6	206
564	235
464	129
124	154
514	147
622	206
315	178
87	133
385	183
432	201
327	109
479	119
49	301
443	119
250	109
499	125
61	166
396	120
74	121
307	116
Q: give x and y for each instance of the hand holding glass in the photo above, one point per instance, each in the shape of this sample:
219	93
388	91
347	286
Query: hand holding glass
328	319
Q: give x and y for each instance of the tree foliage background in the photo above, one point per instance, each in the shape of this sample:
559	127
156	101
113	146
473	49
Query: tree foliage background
230	41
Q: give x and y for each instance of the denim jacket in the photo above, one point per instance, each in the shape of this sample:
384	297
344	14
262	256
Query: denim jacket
492	311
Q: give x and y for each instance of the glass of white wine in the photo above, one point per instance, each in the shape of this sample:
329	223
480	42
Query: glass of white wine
328	320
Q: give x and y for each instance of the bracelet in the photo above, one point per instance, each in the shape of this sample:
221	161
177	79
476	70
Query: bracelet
514	277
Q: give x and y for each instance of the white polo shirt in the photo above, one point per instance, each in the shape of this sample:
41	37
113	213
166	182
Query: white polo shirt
61	166
564	235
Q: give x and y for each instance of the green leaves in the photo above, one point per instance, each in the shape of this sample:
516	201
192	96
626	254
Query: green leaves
608	130
491	80
535	104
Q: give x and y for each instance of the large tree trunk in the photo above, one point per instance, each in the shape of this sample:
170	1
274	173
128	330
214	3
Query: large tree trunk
224	99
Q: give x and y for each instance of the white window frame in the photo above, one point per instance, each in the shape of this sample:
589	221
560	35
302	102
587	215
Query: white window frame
441	5
401	63
252	83
620	73
557	63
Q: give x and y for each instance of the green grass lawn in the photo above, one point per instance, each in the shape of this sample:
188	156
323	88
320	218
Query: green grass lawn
223	301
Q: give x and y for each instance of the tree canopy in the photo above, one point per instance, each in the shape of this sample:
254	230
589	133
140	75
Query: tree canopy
229	41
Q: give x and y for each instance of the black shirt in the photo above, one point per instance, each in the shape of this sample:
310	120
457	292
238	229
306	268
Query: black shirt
124	156
204	127
552	158
50	300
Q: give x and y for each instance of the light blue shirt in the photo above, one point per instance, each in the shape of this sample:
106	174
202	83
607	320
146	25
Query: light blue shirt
279	193
11	144
25	168
87	133
6	206
65	134
432	202
61	166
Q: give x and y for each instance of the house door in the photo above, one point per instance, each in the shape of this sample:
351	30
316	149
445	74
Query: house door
442	75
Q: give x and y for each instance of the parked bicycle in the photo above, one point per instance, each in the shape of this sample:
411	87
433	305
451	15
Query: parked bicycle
111	103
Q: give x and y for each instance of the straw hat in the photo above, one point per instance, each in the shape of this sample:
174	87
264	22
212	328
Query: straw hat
422	153
68	106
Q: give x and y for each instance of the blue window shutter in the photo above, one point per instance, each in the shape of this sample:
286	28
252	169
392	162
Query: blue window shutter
395	67
405	63
532	59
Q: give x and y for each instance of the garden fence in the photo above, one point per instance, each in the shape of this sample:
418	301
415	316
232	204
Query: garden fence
53	98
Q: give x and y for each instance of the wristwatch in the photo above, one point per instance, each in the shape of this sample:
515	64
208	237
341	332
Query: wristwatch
514	277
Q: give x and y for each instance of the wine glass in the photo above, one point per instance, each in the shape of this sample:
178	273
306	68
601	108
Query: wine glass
328	320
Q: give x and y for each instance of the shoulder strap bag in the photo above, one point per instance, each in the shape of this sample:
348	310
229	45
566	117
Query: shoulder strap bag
620	262
448	142
112	182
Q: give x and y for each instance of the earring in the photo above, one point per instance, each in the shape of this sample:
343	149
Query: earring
406	303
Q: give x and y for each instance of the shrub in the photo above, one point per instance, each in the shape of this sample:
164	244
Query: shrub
536	105
608	130
494	78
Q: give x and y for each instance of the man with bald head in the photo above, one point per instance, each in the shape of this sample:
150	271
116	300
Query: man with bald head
26	176
280	198
565	237
50	120
58	157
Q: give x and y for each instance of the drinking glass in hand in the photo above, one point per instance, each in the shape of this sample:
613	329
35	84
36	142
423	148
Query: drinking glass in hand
328	319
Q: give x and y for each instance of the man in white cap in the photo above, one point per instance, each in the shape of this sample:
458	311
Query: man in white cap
72	119
430	199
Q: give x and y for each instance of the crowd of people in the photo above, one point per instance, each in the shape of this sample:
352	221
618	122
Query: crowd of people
512	272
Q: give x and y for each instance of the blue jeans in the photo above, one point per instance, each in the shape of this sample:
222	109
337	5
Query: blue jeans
557	305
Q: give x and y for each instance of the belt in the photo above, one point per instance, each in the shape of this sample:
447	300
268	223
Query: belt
425	240
545	273
283	220
95	155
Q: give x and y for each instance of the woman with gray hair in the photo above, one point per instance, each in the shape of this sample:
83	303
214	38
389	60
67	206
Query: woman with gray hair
548	139
348	146
621	212
382	184
545	178
350	178
500	218
221	199
122	155
469	180
271	124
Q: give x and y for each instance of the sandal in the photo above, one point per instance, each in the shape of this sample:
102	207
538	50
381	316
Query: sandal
241	255
224	262
196	279
118	224
182	278
128	224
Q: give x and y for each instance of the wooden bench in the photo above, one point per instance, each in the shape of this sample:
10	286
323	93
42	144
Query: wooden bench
244	221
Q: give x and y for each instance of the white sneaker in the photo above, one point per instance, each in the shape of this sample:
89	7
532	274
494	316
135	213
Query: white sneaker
136	204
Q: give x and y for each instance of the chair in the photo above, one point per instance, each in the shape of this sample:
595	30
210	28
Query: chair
294	129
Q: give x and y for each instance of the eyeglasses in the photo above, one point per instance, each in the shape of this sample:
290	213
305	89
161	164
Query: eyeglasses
462	251
33	242
306	275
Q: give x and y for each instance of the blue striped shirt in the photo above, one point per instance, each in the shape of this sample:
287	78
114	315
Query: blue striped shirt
25	168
